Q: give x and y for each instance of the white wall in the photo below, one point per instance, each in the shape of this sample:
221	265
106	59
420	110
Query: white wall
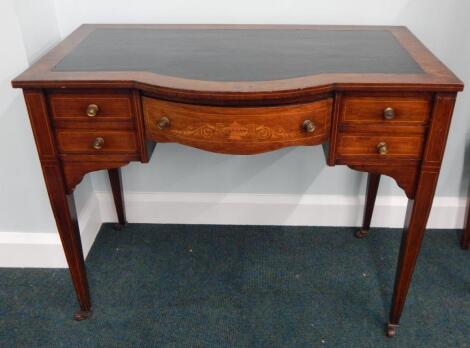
442	26
23	199
28	28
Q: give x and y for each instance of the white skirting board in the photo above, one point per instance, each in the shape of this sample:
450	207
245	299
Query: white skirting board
44	249
274	209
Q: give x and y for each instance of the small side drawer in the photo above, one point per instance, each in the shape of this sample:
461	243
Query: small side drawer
380	146
91	107
386	110
95	142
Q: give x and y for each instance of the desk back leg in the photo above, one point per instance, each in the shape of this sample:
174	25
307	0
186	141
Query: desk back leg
116	186
371	194
465	241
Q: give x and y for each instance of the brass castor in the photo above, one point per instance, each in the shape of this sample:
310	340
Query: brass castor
82	315
391	330
361	233
119	227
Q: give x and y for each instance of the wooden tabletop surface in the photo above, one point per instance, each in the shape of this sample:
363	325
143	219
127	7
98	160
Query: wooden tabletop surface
241	59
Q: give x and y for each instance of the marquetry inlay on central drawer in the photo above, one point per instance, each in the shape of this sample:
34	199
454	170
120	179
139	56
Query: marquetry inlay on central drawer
237	130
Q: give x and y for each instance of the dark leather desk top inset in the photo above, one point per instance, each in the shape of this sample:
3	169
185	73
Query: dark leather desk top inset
240	55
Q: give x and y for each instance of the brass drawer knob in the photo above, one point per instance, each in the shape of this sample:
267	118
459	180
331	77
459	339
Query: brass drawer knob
308	126
389	113
163	123
382	148
98	143
92	110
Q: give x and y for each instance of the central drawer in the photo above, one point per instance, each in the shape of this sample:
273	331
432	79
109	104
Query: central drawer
237	130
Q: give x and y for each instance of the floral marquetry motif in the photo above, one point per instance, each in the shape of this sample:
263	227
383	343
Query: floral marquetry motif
236	132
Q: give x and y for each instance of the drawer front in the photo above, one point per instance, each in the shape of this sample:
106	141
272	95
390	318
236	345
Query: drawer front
237	130
96	142
380	146
386	110
91	107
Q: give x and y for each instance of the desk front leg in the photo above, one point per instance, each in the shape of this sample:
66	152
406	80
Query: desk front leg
415	225
420	204
61	198
63	207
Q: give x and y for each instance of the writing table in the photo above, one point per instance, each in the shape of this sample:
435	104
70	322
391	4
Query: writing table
374	97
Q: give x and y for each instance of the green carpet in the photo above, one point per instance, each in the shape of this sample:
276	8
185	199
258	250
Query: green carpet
242	286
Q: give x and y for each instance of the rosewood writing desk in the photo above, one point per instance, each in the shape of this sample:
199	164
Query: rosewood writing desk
374	97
